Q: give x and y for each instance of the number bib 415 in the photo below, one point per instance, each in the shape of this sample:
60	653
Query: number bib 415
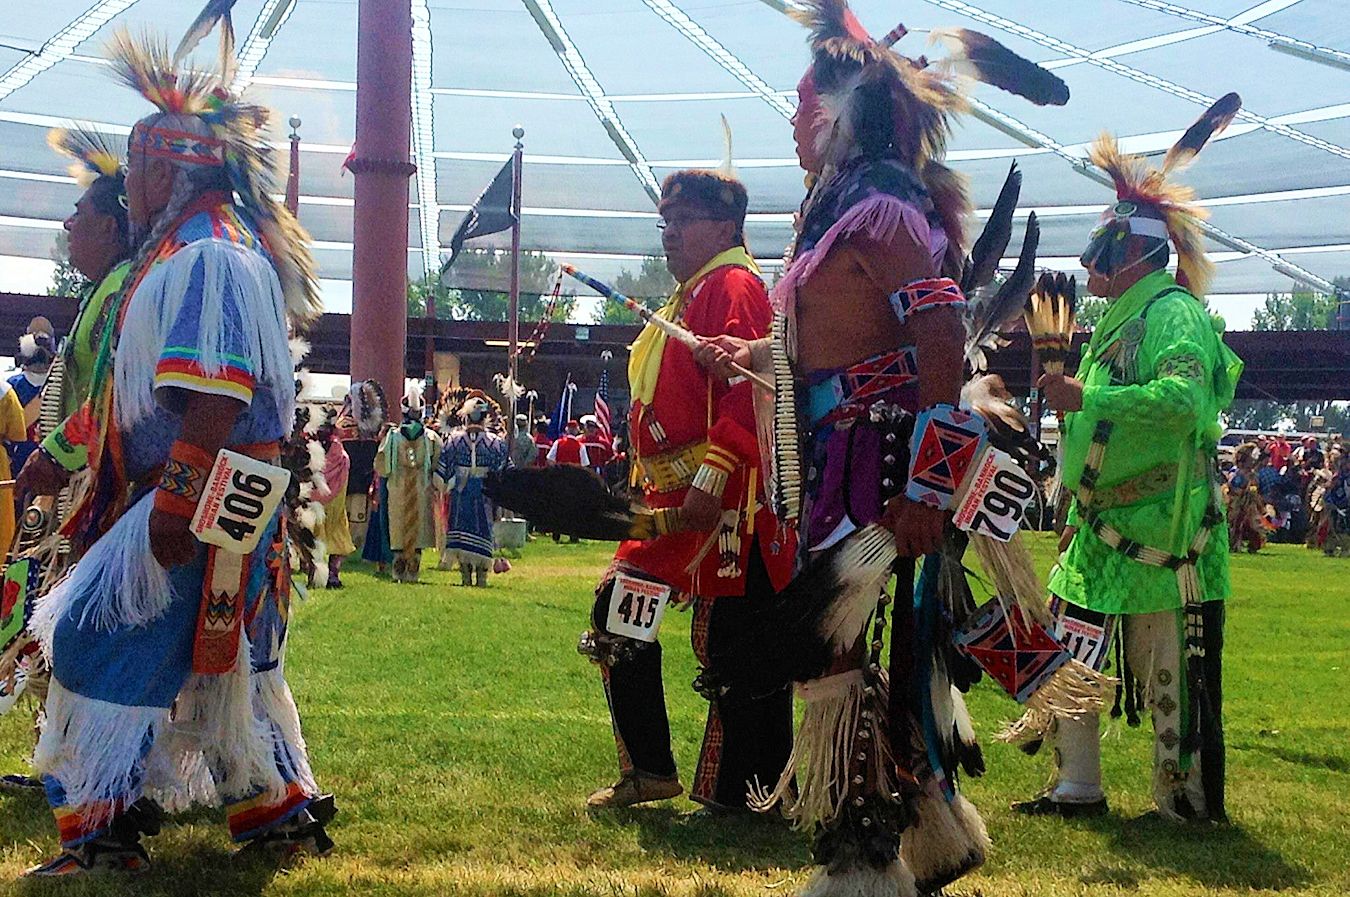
636	607
240	497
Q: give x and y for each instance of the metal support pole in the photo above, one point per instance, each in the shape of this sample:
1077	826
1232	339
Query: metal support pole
382	168
513	308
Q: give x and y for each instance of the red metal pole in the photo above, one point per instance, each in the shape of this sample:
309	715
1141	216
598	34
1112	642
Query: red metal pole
379	328
293	173
513	307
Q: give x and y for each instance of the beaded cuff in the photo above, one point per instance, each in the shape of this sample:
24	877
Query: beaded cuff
943	449
184	476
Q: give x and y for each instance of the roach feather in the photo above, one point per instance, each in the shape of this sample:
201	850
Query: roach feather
1217	117
215	12
993	240
570	500
985	59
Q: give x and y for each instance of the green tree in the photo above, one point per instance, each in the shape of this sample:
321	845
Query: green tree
649	286
1299	310
481	281
1090	311
66	281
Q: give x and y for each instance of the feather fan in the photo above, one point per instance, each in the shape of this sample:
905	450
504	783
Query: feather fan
570	500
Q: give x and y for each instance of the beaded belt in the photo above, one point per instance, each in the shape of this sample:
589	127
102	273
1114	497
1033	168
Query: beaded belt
844	395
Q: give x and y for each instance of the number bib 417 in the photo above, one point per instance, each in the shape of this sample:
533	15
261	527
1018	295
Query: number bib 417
240	497
636	607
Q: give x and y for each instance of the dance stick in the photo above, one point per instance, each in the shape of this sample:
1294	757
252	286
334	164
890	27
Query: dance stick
671	329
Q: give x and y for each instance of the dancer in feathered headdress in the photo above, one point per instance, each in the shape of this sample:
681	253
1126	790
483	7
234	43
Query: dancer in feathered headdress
870	447
166	652
1146	545
98	243
473	450
405	522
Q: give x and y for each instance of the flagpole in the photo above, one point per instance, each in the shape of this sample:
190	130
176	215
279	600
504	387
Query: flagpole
293	175
513	308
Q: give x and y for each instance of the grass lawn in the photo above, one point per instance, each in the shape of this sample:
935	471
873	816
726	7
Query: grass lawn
461	733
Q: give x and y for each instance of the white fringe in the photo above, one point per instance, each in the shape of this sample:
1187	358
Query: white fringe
229	269
948	839
823	749
1010	565
126	585
274	704
1075	690
863	567
895	880
93	748
214	714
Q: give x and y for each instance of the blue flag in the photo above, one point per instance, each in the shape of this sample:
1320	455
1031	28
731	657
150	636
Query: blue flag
558	425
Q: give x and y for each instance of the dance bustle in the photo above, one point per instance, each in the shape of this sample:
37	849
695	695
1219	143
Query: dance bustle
993	240
796	636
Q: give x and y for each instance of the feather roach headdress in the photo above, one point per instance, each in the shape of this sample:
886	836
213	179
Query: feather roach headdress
201	122
875	100
94	155
1150	204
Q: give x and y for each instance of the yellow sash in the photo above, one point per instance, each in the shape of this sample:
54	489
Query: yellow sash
644	362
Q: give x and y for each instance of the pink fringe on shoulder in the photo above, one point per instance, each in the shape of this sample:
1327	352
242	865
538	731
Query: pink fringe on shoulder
878	217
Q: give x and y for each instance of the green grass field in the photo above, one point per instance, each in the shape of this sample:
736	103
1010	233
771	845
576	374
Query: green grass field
462	732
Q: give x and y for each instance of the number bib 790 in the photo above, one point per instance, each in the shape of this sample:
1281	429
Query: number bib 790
240	497
996	497
636	607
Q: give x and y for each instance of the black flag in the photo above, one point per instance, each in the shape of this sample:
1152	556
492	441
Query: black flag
490	214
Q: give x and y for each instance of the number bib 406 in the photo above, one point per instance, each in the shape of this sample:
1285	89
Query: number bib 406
240	497
636	607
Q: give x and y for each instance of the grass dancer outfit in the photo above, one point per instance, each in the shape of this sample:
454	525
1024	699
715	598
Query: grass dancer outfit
1149	555
173	679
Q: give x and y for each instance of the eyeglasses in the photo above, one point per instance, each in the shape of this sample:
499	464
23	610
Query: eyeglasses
678	223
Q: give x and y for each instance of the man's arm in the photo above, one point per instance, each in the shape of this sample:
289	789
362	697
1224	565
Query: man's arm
939	336
211	419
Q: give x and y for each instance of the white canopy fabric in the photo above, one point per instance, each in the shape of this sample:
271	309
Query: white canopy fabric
615	94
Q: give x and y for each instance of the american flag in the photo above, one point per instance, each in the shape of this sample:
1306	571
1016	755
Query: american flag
602	405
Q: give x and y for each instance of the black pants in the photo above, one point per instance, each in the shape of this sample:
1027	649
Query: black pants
743	739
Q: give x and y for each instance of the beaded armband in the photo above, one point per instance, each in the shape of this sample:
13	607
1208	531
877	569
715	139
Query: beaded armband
184	476
712	474
667	521
943	449
921	295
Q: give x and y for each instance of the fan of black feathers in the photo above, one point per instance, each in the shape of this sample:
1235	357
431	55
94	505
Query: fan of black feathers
569	500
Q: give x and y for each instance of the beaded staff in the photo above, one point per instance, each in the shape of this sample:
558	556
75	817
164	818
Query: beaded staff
670	328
